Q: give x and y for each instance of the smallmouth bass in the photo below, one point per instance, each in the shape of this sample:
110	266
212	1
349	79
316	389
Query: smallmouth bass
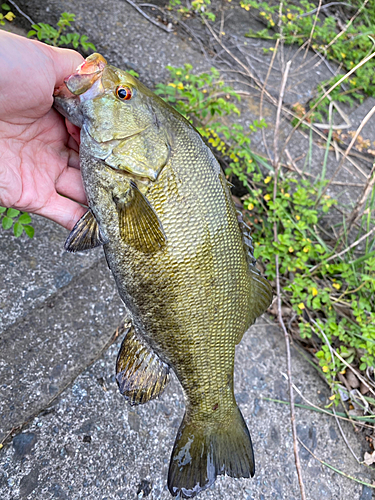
181	258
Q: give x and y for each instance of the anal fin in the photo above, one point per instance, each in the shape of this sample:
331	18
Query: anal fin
140	373
139	224
84	235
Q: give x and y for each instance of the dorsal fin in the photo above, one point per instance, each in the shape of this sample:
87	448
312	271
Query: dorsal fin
261	290
247	239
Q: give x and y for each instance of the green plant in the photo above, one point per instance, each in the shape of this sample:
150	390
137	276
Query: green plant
21	221
9	16
203	99
56	37
331	298
349	47
201	7
337	297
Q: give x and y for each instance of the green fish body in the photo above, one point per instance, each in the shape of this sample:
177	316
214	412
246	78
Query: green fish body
182	260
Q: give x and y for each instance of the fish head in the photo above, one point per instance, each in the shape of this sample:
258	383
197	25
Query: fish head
121	120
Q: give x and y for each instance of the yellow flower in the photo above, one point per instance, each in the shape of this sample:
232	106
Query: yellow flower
180	86
172	85
291	249
301	306
204	91
187	77
9	16
325	368
287	195
250	206
267	179
336	285
267	197
290	16
314	292
343	55
343	372
262	13
223	33
333	397
306	249
298	217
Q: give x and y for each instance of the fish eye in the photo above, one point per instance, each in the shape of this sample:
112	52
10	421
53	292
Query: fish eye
124	93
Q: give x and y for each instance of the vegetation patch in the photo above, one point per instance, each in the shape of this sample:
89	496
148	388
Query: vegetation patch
328	285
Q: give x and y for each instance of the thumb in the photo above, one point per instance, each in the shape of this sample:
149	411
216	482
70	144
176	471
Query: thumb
65	62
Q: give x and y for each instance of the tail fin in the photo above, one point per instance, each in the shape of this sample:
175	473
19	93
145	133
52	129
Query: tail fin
201	453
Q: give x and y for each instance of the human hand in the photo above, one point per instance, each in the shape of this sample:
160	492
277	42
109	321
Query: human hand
39	164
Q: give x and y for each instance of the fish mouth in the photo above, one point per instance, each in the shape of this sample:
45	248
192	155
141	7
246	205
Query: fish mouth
67	95
84	78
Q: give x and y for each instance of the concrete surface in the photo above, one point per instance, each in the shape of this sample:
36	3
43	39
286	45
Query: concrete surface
58	311
91	444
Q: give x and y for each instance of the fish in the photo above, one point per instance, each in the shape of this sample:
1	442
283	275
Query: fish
182	259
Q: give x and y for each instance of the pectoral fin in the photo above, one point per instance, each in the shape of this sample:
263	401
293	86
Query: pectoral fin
84	235
139	224
141	375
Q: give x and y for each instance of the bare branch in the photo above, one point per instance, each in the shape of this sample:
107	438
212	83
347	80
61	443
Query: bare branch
21	11
153	21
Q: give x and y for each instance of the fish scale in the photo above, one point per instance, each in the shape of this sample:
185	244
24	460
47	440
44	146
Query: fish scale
161	206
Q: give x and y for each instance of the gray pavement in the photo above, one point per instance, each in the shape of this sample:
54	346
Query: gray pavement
75	436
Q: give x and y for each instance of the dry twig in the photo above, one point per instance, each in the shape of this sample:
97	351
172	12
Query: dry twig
168	29
327	93
326	412
336	470
316	17
21	11
352	142
278	291
344	251
362	199
262	94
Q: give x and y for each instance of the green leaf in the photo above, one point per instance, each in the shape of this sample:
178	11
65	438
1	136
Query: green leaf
2	210
24	219
5	6
7	222
29	230
17	229
12	212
